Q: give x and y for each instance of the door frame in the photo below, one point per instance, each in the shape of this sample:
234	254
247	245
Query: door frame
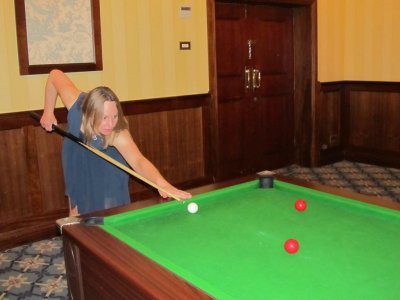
305	79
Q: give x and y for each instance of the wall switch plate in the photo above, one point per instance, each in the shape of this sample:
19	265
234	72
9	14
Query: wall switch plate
185	11
184	45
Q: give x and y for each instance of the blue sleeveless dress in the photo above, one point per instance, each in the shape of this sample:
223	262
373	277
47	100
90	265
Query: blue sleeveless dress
91	182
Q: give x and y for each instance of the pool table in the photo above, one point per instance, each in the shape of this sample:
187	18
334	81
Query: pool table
233	247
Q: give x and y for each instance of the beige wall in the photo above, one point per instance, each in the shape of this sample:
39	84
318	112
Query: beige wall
141	56
358	40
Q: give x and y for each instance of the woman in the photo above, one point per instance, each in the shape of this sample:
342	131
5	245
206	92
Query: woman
97	118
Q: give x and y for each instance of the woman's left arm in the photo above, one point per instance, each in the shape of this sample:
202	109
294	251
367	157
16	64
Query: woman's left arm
131	153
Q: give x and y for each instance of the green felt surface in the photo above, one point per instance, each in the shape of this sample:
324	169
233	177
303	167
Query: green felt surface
232	248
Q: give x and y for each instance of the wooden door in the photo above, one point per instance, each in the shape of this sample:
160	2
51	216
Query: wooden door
254	55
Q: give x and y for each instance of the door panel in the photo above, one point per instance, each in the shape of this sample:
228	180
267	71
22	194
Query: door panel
230	88
255	121
271	30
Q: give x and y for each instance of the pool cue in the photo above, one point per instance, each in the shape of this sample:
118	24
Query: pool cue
106	157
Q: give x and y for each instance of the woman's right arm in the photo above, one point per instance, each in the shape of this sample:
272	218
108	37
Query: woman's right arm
58	84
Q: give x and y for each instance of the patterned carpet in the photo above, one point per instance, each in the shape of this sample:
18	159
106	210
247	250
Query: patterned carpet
362	178
34	271
37	271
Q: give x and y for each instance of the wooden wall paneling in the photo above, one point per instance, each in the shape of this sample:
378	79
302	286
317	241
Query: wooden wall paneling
180	125
14	182
391	122
373	125
186	156
368	120
31	178
23	214
363	115
208	145
189	119
329	129
173	132
379	112
174	142
48	156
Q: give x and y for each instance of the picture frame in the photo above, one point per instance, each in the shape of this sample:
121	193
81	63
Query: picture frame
54	35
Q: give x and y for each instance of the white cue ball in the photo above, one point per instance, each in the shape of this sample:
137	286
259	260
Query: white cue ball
192	208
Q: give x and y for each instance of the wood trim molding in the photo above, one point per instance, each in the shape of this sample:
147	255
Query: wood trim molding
366	112
21	119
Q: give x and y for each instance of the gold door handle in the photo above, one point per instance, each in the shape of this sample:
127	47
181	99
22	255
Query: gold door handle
247	77
256	79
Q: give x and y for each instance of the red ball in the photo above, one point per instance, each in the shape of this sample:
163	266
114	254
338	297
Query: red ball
300	205
292	246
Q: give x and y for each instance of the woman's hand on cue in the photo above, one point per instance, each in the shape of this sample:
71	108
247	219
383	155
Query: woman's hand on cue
176	192
47	121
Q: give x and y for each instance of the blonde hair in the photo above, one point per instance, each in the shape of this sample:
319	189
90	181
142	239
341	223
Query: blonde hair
92	114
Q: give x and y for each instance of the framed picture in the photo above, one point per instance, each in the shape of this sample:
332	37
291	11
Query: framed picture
62	34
